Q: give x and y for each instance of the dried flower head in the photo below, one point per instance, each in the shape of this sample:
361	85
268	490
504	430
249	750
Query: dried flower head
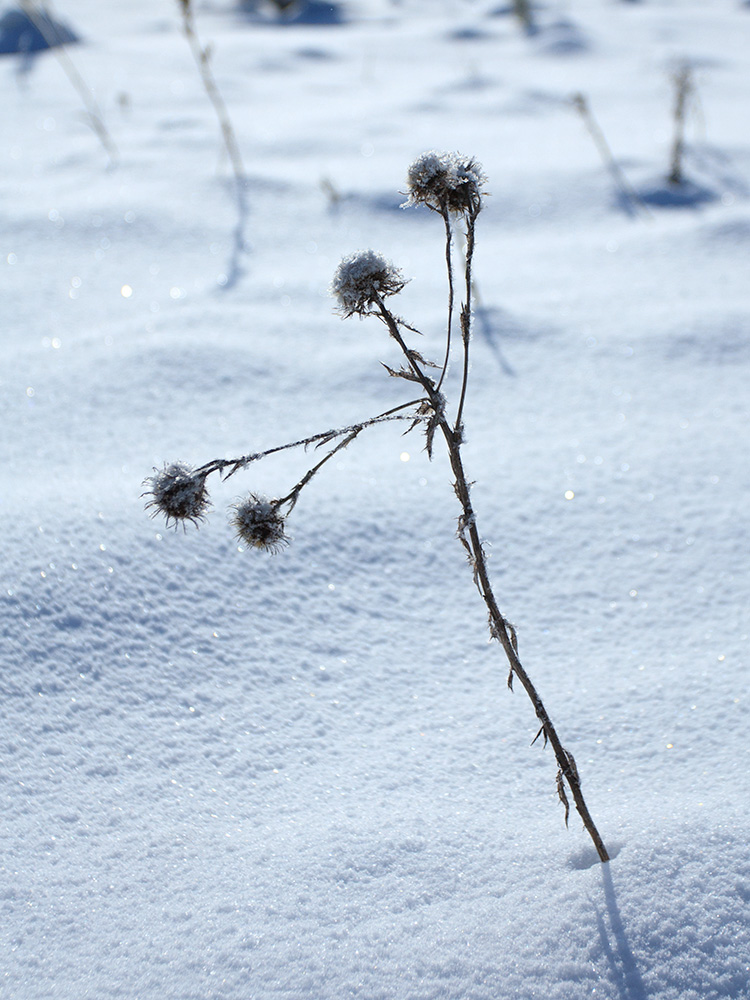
362	278
446	182
178	494
258	523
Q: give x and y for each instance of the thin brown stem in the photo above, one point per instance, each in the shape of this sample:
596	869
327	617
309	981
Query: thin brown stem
236	464
500	629
466	318
293	495
451	293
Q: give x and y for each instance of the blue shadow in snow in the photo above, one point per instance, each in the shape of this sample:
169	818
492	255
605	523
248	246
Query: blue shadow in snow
614	940
688	194
21	34
314	12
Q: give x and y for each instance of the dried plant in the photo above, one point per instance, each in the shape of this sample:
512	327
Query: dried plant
682	80
523	12
631	196
202	58
453	187
40	17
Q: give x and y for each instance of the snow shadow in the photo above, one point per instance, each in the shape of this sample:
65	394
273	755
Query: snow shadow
240	248
561	38
496	328
312	12
613	937
21	34
663	194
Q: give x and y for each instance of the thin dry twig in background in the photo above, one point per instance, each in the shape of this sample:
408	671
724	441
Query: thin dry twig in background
39	15
581	104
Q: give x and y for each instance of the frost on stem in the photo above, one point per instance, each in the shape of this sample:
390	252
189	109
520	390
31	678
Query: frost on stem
259	524
178	494
362	278
446	182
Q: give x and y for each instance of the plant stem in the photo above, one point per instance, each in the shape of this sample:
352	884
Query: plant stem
235	464
43	22
683	84
500	629
214	94
451	294
293	495
466	318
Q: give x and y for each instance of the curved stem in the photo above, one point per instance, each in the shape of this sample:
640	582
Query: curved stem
466	317
451	294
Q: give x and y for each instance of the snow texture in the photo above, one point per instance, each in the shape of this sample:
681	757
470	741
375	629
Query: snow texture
227	774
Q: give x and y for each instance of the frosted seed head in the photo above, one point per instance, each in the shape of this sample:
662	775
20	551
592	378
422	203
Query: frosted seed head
258	523
178	494
362	278
446	182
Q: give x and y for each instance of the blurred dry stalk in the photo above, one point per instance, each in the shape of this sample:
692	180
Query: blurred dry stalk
452	186
522	10
202	58
39	15
581	105
684	87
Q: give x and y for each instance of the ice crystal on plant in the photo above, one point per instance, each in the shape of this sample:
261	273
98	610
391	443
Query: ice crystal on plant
178	494
362	278
446	182
258	523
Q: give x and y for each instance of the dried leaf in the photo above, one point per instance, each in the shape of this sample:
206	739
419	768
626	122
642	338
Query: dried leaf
513	637
420	359
542	732
561	794
401	373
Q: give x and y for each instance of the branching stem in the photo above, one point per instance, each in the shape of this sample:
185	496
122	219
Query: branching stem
236	464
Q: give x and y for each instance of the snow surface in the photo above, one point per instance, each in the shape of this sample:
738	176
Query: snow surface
232	775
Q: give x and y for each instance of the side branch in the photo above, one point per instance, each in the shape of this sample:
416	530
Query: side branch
236	464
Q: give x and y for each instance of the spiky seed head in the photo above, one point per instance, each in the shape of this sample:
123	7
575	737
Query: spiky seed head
178	494
447	183
259	523
362	278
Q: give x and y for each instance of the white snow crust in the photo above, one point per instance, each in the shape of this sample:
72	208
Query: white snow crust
228	775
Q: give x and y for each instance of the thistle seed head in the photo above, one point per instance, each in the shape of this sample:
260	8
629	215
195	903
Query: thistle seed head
178	494
258	523
446	182
362	278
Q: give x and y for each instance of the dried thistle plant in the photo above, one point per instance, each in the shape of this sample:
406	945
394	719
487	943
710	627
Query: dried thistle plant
682	81
452	186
